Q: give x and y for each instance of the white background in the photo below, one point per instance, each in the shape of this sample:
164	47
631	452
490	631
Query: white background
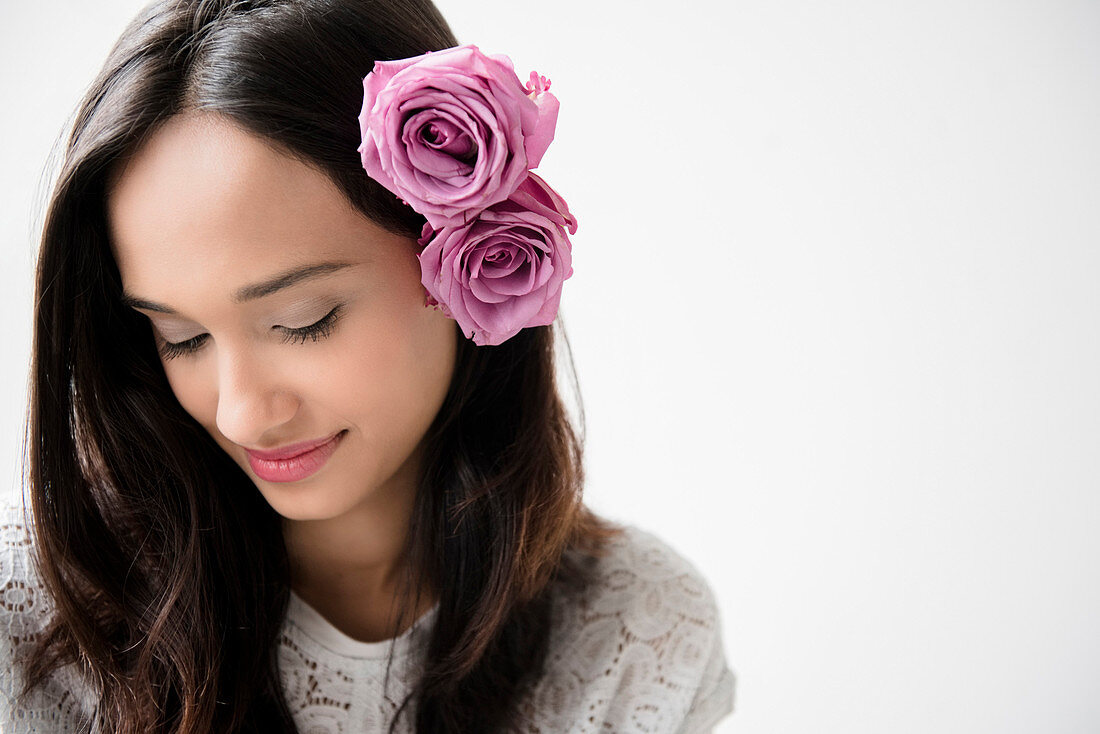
836	319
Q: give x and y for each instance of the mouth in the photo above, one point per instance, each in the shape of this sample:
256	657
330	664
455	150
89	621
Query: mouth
295	461
291	450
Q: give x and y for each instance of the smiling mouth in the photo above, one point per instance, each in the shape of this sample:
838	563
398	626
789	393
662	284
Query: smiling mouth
298	466
291	450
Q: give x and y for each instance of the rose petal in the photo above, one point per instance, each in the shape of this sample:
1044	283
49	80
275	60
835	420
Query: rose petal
508	131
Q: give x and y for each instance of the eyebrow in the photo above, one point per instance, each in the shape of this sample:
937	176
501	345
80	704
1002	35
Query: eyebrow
256	290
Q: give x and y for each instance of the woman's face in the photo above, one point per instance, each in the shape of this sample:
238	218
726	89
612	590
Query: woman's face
201	218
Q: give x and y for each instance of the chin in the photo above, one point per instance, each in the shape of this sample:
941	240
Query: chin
303	506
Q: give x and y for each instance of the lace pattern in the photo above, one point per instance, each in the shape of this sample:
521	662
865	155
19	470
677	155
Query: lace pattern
60	705
639	651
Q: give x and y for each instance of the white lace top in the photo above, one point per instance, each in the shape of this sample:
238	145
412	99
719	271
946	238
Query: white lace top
642	651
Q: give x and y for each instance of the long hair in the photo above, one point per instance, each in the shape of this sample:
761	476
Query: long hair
167	568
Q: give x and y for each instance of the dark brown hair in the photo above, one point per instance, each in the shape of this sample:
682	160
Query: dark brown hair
143	524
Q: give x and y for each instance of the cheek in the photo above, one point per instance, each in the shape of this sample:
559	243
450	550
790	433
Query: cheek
190	390
398	367
407	353
196	392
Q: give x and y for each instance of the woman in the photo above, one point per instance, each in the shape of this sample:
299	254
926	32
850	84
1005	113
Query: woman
227	280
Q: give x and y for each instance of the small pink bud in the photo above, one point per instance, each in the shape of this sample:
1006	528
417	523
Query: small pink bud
537	85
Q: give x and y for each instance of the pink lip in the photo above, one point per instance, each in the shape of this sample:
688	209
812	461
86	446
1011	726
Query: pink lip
294	461
291	449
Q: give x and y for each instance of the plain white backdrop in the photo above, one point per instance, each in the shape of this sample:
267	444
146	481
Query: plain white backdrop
835	315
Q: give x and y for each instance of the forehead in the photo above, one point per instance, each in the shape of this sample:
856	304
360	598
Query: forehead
202	196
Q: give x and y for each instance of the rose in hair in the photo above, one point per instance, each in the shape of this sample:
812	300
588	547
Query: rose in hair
504	270
453	132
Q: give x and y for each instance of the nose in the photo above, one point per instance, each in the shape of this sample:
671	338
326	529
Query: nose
253	398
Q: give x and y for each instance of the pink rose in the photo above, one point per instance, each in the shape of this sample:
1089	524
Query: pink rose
504	270
453	132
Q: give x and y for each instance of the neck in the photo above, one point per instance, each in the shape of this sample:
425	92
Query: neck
349	567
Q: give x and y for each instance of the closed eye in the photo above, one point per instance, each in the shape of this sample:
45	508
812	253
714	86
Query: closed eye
315	331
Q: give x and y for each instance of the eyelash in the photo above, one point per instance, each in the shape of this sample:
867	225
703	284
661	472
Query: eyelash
315	331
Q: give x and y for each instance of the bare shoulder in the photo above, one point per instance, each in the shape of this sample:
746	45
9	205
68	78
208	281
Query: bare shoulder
640	648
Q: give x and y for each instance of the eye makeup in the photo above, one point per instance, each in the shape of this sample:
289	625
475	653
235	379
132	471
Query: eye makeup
315	331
